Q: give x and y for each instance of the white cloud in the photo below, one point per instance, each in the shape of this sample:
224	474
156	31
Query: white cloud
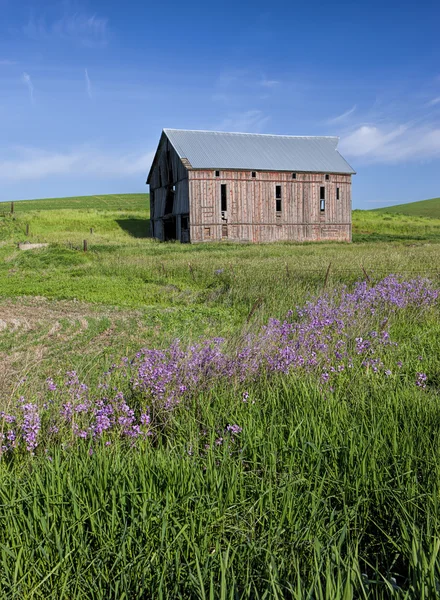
86	30
269	83
88	84
250	120
392	144
434	101
34	164
343	116
26	79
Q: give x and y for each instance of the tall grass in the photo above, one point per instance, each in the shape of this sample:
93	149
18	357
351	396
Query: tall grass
301	487
295	489
318	497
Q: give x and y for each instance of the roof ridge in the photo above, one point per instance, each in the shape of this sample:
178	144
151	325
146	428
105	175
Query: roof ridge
331	137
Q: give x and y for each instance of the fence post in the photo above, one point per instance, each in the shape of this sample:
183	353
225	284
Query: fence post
91	230
326	275
85	245
12	208
27	228
287	271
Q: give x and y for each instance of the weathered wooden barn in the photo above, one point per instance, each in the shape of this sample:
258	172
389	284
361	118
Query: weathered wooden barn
211	186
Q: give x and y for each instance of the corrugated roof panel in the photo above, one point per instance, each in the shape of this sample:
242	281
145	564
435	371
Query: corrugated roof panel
222	150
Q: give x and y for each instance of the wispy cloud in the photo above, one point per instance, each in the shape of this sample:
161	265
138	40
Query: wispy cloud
343	116
7	63
434	101
392	144
85	30
88	84
246	121
26	79
269	83
35	164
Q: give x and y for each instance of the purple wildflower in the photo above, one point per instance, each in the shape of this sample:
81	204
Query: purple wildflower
235	429
421	380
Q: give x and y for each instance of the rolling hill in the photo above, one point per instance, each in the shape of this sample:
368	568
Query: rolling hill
112	202
423	208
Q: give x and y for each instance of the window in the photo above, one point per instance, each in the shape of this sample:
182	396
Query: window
322	198
337	193
278	198
254	174
217	173
327	177
224	199
293	175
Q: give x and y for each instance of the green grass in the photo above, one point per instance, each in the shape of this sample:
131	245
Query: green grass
423	208
377	226
320	497
115	202
168	290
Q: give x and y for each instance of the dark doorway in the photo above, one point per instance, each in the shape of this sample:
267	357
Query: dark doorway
184	226
169	229
169	201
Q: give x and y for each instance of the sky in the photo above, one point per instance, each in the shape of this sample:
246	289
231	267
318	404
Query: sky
87	86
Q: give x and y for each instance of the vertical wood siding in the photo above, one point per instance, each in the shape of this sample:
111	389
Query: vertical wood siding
251	207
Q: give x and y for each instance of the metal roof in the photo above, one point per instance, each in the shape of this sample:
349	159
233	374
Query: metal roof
260	152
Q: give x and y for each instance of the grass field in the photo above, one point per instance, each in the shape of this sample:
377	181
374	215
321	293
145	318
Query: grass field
424	208
286	461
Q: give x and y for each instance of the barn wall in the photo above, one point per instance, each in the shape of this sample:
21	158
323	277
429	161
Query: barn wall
167	171
251	206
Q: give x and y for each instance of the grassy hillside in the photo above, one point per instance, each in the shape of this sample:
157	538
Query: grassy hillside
113	202
375	226
424	208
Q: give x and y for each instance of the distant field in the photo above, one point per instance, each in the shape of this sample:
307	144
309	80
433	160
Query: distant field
105	202
424	208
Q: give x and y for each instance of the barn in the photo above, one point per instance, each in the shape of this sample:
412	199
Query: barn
210	186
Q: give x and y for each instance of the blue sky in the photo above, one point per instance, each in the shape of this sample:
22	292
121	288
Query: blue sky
87	86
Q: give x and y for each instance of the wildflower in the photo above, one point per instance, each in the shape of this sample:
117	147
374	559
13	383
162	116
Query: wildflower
30	426
51	385
145	419
235	429
421	380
